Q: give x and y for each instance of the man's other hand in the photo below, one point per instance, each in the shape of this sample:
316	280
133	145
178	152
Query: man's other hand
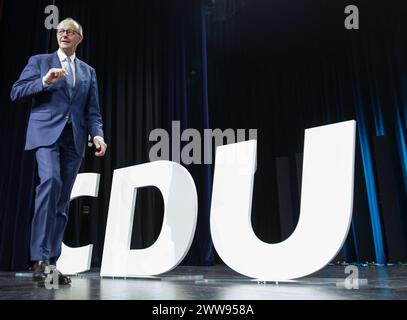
100	147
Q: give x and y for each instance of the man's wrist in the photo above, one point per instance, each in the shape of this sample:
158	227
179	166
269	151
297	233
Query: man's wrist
99	138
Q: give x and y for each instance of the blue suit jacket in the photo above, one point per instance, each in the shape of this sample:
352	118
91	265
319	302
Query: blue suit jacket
51	106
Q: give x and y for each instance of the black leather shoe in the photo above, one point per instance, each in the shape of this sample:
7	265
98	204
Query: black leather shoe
63	279
39	270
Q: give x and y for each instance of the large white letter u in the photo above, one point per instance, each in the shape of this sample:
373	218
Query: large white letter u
325	215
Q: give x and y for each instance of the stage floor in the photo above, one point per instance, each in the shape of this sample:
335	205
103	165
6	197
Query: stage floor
214	283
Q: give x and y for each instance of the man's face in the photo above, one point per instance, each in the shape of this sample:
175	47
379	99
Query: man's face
69	39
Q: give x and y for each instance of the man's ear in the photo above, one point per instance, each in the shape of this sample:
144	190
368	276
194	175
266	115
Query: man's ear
80	41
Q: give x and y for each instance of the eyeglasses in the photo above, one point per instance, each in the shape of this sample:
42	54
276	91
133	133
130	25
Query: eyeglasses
69	32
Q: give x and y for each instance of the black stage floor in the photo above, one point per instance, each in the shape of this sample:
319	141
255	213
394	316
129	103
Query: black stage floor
214	283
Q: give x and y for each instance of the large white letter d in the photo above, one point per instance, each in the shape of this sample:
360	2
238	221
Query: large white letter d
180	214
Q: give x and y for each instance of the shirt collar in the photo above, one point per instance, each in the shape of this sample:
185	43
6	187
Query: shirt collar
62	56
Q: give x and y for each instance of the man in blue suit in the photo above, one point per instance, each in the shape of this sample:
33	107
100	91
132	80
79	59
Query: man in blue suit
64	107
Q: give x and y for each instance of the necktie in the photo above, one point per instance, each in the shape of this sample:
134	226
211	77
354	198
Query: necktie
70	83
69	77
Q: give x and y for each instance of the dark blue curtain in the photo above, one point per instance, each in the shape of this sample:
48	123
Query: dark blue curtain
283	66
18	167
148	58
277	66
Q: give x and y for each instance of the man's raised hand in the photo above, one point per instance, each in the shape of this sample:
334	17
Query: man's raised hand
54	75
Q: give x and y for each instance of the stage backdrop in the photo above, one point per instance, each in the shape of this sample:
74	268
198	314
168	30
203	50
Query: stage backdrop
276	66
285	65
142	52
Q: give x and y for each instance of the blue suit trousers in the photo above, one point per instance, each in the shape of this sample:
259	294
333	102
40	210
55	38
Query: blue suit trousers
58	165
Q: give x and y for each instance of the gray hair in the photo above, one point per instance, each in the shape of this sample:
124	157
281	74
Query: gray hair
76	23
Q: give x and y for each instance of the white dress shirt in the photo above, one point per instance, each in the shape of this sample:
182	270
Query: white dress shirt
64	63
